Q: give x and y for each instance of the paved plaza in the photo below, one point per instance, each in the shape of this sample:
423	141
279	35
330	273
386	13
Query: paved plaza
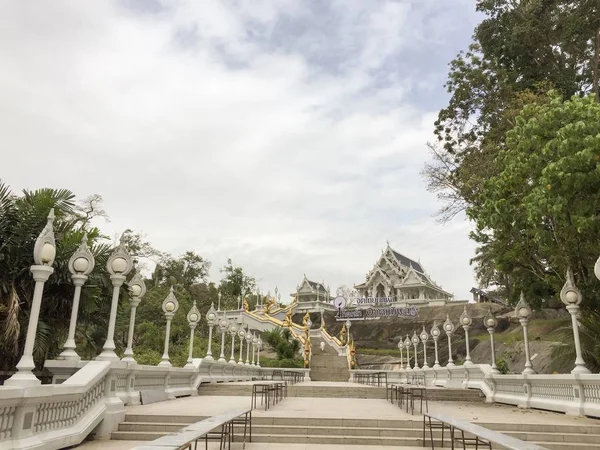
314	411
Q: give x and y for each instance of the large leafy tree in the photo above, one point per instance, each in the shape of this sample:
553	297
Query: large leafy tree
526	46
540	212
520	51
236	283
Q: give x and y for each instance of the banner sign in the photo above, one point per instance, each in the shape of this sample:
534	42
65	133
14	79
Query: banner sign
374	300
375	313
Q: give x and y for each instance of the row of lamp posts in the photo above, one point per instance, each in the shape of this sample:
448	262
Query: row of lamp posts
569	295
523	311
119	265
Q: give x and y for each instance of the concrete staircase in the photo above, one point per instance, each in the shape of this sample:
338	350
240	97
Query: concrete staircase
398	433
338	390
328	367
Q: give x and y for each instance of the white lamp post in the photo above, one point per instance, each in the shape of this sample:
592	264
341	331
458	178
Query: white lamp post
523	312
170	305
223	326
415	341
449	329
258	347
81	265
219	301
137	289
239	301
571	297
401	348
424	336
491	323
119	264
248	340
193	318
407	347
466	321
254	343
233	332
435	332
242	336
211	319
44	253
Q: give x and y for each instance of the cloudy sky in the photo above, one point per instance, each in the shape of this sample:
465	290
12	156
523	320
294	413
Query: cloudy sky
287	135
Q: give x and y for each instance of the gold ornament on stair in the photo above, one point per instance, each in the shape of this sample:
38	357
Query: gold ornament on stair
343	334
270	305
287	321
307	352
305	319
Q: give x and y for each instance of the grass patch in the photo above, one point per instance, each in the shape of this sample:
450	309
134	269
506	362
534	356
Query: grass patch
378	351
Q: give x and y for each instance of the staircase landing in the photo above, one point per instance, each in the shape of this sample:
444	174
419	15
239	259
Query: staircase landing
332	389
352	423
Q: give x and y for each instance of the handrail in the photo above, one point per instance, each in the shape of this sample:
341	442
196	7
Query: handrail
575	394
333	338
279	323
480	433
94	395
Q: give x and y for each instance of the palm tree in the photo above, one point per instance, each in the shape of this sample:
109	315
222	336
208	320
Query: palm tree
21	220
589	336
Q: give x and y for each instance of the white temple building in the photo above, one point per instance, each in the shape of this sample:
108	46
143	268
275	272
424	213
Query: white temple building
404	279
313	296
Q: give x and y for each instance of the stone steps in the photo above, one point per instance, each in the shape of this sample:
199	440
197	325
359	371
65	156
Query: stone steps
384	432
349	391
557	441
325	367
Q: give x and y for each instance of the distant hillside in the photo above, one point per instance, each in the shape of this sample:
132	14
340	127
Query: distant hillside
377	340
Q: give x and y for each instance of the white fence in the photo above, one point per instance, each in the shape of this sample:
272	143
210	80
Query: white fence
94	396
574	394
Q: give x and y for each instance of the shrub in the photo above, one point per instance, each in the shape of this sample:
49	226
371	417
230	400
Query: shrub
502	366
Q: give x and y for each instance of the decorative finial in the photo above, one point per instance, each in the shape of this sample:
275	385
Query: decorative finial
82	261
44	250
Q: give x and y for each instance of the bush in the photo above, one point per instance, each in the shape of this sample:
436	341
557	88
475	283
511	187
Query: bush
286	363
502	366
281	340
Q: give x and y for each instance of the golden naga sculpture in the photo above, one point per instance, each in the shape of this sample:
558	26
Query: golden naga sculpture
305	319
287	321
295	299
343	334
269	305
307	352
352	354
246	306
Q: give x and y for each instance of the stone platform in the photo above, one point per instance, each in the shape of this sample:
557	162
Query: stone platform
325	389
310	422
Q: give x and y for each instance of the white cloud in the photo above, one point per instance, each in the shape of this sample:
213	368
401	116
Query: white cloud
213	126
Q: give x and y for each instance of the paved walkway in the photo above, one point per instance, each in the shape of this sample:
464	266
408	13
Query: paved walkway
354	408
127	445
321	409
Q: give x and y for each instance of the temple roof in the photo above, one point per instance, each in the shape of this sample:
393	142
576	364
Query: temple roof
403	260
318	286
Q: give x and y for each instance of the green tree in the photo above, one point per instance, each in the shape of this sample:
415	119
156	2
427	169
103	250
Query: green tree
526	46
234	284
284	344
539	214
